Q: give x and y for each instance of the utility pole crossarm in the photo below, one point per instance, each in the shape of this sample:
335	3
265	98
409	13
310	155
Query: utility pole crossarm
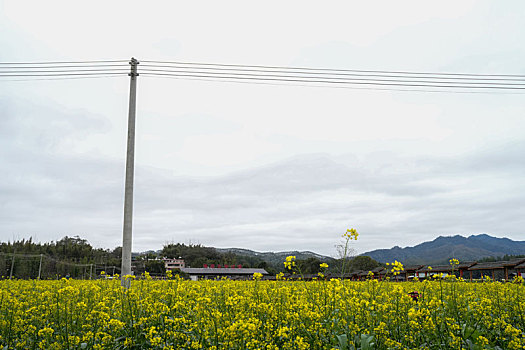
130	165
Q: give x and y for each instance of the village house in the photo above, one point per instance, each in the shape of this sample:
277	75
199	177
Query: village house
172	264
234	272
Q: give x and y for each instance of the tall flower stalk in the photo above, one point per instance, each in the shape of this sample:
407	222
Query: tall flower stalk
349	235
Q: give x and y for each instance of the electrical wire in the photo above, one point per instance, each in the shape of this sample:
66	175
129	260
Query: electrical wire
289	71
17	255
65	71
47	68
326	81
58	74
61	70
389	79
65	78
333	70
63	62
306	77
22	255
370	79
341	87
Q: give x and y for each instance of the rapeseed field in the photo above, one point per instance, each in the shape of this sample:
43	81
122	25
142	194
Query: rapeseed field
259	314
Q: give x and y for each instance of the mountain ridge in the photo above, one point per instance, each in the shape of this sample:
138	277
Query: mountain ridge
443	248
275	257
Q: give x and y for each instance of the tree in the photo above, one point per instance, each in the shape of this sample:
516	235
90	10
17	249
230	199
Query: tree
363	262
309	266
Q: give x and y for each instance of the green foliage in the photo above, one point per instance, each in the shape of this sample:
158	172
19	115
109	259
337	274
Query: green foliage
196	255
61	258
505	257
309	266
357	263
65	256
363	262
154	267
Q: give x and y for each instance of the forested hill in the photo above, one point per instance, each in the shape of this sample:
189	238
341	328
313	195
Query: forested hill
68	249
72	256
440	250
75	257
197	256
276	258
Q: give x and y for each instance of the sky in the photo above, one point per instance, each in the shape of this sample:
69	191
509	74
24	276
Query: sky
268	167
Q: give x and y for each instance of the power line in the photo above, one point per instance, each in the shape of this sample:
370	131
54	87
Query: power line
342	86
333	77
58	74
333	70
51	68
377	79
65	78
44	256
62	62
59	70
295	71
20	255
265	69
306	77
109	70
327	81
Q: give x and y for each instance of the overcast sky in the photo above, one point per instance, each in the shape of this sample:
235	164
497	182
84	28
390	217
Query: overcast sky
264	167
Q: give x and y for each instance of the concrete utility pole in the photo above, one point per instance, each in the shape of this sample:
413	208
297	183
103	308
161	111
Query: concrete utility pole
130	164
40	266
12	266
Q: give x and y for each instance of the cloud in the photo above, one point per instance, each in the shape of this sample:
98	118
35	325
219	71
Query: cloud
303	202
314	197
282	167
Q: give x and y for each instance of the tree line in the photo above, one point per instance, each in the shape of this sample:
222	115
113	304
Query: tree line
69	256
198	256
74	257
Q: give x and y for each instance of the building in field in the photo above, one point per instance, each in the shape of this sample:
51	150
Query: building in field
457	270
520	269
172	264
497	270
213	273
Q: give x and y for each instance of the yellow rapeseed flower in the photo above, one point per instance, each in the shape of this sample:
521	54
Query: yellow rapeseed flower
454	262
184	314
289	263
397	267
351	234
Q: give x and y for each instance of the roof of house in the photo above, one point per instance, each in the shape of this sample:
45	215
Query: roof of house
355	273
376	271
488	265
520	266
221	271
338	275
411	268
435	268
447	268
514	262
466	265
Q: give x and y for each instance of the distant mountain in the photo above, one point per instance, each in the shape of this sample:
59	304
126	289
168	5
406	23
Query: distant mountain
274	258
442	249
